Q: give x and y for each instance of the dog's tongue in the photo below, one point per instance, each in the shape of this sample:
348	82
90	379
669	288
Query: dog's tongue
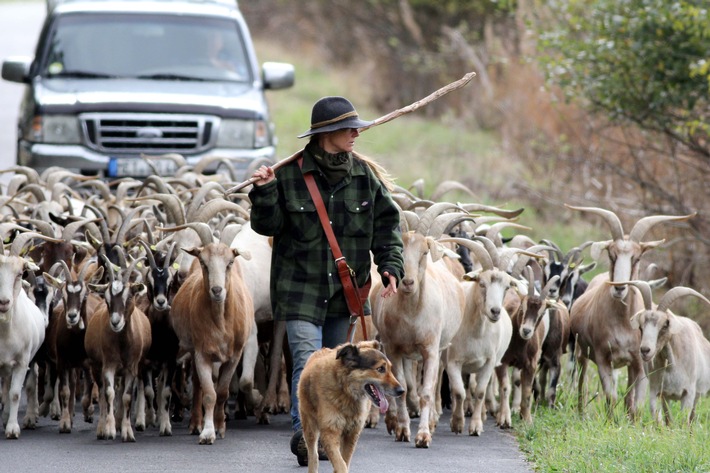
384	404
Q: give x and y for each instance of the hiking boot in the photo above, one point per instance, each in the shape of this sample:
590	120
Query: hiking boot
299	448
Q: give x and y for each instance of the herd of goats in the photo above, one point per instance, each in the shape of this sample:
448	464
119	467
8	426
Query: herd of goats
150	297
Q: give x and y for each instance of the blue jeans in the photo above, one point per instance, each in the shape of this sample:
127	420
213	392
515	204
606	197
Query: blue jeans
304	338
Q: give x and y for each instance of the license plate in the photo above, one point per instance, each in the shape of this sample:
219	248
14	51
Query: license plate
137	167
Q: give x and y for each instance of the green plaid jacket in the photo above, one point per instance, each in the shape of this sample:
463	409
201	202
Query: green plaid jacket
304	280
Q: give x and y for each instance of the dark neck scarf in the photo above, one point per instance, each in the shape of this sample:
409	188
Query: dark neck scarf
333	166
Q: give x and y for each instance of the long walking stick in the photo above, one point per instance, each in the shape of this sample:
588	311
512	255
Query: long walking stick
379	121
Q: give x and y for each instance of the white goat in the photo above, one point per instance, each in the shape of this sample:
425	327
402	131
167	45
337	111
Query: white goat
22	332
600	320
419	322
676	353
482	338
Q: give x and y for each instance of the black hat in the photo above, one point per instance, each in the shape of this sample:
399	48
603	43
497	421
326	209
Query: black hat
334	113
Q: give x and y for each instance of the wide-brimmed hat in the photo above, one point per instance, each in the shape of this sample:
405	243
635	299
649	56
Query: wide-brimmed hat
333	113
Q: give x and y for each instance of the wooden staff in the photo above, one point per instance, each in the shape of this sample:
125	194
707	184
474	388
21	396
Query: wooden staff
379	121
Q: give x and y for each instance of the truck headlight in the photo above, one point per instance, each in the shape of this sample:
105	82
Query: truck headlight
57	129
243	134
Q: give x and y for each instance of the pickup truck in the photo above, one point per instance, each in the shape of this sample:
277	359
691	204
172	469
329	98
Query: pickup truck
114	80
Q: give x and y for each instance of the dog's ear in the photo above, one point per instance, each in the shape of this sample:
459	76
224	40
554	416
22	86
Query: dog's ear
370	344
349	355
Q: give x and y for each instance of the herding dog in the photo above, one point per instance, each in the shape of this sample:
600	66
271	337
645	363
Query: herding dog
334	391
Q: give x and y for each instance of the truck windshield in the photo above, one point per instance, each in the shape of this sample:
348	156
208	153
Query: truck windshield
162	47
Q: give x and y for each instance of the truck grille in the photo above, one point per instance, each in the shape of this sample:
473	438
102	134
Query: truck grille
150	133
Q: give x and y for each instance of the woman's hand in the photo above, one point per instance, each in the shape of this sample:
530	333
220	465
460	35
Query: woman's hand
391	287
263	175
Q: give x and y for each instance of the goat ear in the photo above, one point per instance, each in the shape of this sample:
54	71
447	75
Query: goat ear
241	252
194	251
57	283
637	320
436	249
472	276
597	247
30	266
587	267
349	355
138	289
649	245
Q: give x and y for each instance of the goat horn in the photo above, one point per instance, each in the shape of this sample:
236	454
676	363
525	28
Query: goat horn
487	208
448	186
31	174
644	288
172	203
148	253
202	229
169	255
481	254
214	206
43	227
669	297
530	277
617	231
71	229
21	240
408	220
128	223
492	251
644	225
199	197
455	220
431	213
494	230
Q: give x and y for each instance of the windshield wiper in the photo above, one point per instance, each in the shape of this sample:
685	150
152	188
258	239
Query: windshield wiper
171	76
83	74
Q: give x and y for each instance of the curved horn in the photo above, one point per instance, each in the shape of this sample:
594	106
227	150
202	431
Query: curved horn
643	287
128	223
669	297
487	208
644	225
431	213
71	229
21	240
408	220
148	253
214	206
131	268
530	277
43	227
109	268
494	230
169	255
172	203
481	254
617	230
492	251
443	221
448	186
199	198
202	229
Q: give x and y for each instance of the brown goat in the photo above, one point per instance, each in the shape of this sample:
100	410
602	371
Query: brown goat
600	319
117	340
213	315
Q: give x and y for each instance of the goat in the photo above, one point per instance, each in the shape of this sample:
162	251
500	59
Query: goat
600	318
482	338
419	321
212	315
22	332
676	353
117	339
524	349
68	335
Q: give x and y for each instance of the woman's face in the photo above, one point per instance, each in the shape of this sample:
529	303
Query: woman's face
339	141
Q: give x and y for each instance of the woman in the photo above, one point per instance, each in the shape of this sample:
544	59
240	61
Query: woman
306	291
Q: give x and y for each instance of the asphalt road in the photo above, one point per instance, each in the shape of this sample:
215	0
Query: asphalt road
247	447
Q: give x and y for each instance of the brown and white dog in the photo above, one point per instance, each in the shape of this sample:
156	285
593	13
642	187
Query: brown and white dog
334	394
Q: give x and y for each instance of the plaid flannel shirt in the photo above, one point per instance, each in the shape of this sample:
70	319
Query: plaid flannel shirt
304	279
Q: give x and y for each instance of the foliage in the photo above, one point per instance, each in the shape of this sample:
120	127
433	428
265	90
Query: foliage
641	61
